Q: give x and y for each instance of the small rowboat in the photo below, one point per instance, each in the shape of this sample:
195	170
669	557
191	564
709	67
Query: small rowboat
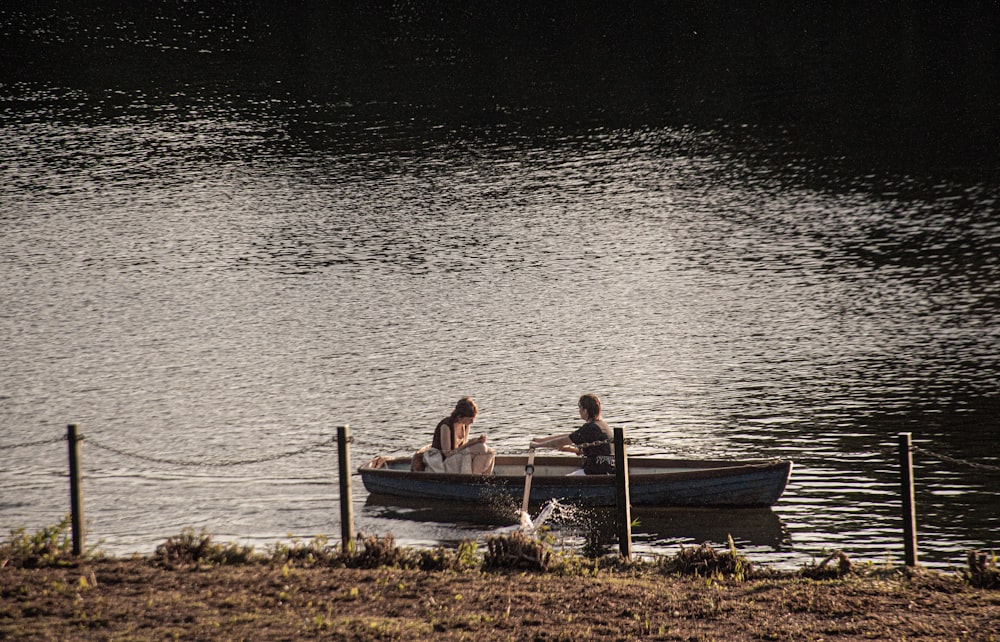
652	482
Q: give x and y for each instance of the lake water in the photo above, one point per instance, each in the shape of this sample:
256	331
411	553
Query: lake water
210	258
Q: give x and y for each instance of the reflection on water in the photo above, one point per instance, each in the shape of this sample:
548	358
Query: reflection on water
654	530
756	532
218	271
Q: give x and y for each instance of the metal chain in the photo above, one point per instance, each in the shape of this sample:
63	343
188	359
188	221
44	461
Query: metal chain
628	441
43	442
352	439
595	443
215	464
362	442
953	460
889	451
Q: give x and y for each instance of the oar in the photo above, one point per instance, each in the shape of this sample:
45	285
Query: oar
529	470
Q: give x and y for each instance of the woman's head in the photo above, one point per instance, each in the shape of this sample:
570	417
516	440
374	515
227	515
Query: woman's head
465	408
591	406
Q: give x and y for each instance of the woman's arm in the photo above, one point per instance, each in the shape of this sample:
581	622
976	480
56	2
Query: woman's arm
556	442
445	440
481	439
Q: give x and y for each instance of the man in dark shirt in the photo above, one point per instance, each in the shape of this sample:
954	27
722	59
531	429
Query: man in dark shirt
592	440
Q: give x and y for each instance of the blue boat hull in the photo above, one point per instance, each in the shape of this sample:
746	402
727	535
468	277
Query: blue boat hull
652	482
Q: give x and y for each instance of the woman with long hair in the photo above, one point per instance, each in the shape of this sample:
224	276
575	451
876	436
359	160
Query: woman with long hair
451	451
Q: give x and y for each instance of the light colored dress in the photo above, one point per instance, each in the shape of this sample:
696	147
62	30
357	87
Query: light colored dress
460	462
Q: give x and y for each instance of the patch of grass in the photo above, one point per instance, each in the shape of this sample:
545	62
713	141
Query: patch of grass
826	570
192	548
50	546
379	551
465	557
705	561
572	598
511	551
982	571
313	552
516	550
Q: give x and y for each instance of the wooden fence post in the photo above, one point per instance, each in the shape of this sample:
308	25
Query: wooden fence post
909	511
346	501
75	488
622	499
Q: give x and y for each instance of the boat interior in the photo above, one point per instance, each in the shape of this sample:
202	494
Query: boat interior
559	466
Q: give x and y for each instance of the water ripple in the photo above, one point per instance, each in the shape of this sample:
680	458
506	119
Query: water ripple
193	276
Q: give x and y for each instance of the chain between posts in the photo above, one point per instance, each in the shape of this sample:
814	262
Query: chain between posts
589	444
331	441
933	455
41	442
216	464
882	451
353	439
954	460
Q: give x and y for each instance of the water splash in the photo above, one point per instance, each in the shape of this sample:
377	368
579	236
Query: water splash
531	526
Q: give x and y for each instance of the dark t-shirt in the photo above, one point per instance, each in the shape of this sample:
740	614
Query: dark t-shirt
597	460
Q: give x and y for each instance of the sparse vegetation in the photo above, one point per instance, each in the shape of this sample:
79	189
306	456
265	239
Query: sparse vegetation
378	551
198	549
310	553
50	546
517	551
706	561
465	557
191	548
826	570
518	588
982	571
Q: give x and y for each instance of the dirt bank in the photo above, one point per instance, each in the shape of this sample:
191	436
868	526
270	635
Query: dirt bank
136	600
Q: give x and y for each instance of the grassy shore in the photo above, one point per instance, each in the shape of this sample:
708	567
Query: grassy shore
517	589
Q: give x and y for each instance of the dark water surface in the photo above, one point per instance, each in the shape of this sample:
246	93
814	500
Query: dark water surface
227	230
